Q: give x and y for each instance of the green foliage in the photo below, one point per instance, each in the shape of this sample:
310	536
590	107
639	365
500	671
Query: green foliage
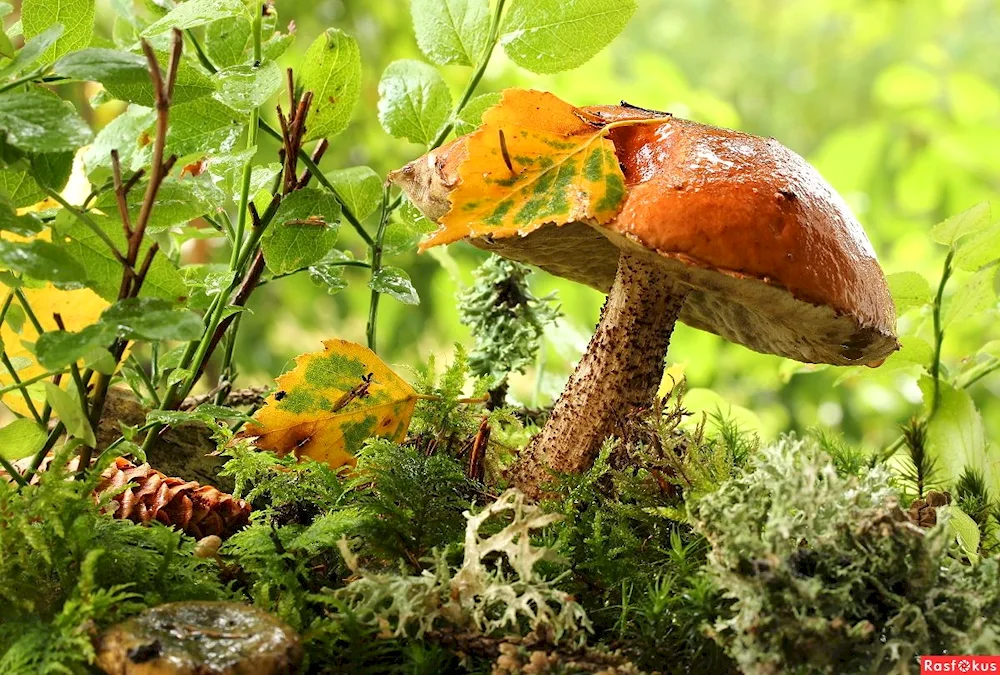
828	574
414	501
414	101
506	320
636	563
547	36
632	560
76	18
305	230
452	31
66	568
332	71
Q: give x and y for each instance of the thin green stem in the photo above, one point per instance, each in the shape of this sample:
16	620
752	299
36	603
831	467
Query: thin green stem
29	381
37	75
82	217
145	379
30	313
50	443
339	263
252	129
12	371
203	59
477	76
376	267
12	471
939	334
388	207
973	375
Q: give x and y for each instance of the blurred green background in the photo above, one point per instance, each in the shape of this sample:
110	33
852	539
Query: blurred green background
897	102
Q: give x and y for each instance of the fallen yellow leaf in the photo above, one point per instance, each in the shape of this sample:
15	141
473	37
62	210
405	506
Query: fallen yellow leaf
331	402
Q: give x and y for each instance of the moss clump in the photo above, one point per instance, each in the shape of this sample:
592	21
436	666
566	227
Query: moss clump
827	574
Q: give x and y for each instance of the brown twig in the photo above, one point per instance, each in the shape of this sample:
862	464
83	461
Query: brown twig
132	279
316	157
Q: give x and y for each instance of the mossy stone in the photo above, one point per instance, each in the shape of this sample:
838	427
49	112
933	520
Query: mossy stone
200	638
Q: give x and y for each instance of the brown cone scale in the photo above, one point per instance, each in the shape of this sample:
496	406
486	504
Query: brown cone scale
198	510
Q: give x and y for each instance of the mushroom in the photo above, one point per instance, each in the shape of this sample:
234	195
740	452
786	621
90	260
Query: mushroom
200	638
728	232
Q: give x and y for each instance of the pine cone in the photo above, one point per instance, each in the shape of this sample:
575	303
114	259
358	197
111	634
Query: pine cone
199	510
923	512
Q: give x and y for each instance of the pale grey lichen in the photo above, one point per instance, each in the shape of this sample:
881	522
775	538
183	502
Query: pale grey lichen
497	590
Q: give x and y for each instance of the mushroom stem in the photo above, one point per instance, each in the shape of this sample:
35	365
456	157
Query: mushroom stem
620	371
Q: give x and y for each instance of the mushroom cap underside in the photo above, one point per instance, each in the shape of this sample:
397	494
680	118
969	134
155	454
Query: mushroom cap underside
773	256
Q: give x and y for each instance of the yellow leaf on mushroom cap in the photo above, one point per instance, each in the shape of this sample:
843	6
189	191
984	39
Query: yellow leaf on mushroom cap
331	402
535	160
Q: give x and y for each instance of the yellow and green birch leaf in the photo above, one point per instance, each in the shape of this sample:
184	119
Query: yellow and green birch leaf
534	161
331	402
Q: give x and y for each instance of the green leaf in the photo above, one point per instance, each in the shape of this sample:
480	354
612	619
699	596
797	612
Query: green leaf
21	438
59	348
971	220
125	134
244	88
548	36
975	296
414	101
964	529
104	272
177	202
451	31
66	405
909	290
20	186
331	70
31	51
328	276
191	85
6	46
395	282
42	123
471	116
41	260
24	226
15	317
100	360
152	319
76	17
108	66
203	127
229	42
404	231
195	13
979	250
304	231
956	437
360	187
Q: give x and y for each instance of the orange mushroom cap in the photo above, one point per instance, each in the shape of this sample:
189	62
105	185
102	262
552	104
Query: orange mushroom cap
772	255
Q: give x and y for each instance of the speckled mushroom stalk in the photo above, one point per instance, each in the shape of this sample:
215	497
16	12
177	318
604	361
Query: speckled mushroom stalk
619	372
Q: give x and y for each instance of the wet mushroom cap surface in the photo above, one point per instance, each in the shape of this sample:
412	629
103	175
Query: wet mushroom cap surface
772	255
